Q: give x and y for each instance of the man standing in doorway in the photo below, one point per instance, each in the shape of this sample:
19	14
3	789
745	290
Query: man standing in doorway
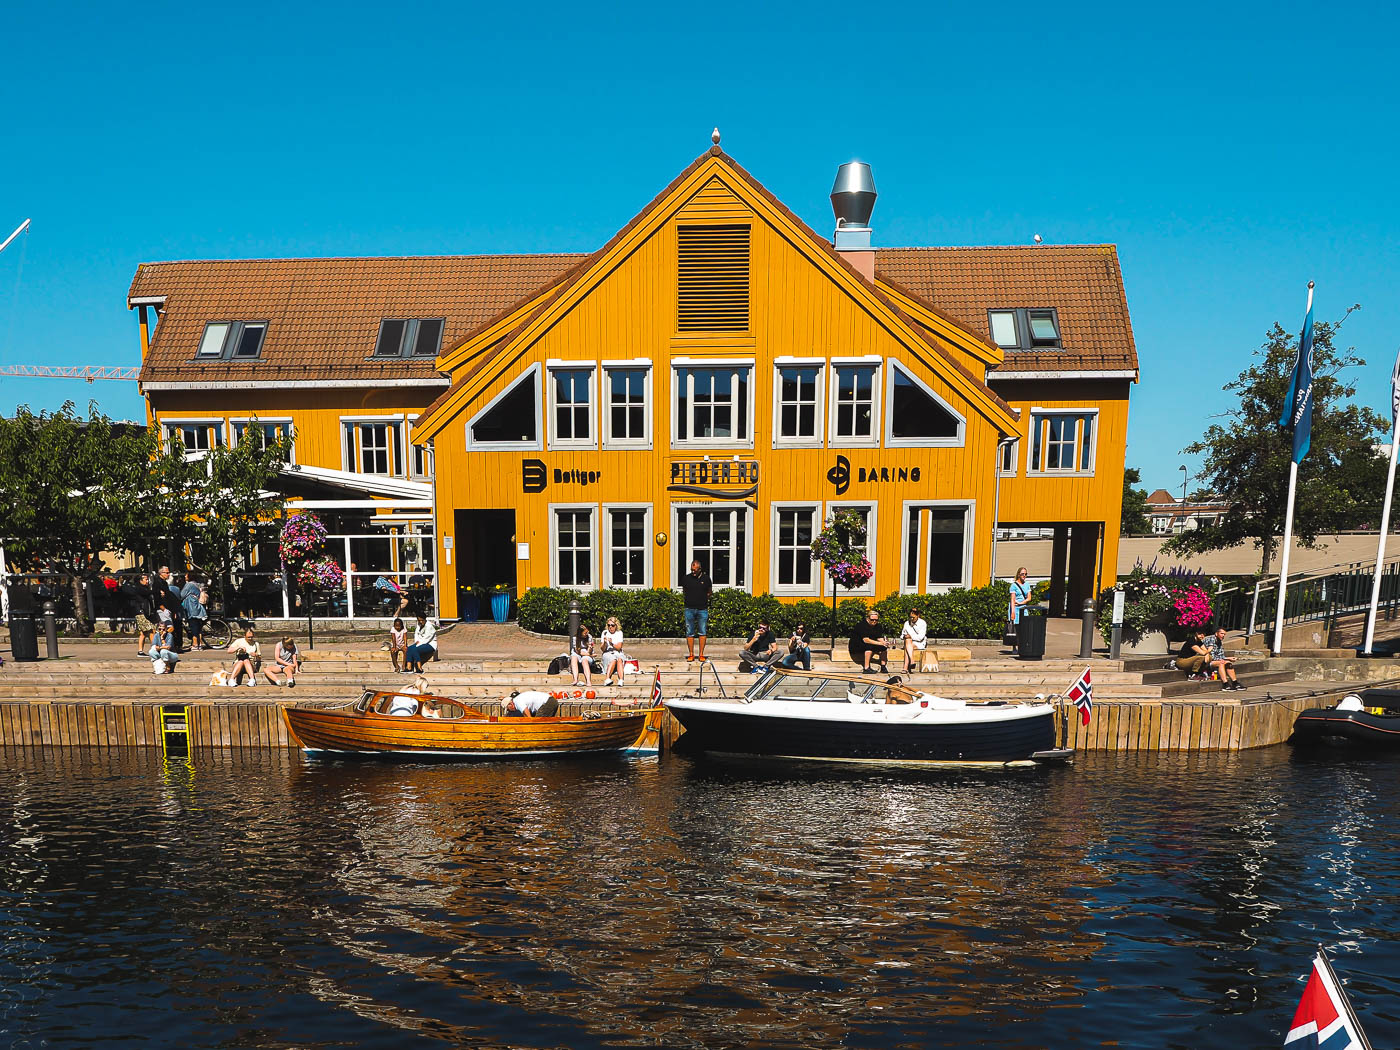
697	587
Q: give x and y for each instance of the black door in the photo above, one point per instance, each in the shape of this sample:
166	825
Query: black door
485	550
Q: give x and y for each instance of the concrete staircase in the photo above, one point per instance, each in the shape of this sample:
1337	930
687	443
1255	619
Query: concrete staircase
340	674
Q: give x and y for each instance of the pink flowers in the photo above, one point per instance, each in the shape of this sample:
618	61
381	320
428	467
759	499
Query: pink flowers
301	536
323	574
1191	606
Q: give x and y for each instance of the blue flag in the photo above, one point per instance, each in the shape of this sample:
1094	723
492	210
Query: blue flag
1297	406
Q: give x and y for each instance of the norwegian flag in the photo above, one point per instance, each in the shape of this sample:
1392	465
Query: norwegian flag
656	690
1323	1020
1081	694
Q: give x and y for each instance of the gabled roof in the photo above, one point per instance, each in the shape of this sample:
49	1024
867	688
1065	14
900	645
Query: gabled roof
1082	282
713	163
323	314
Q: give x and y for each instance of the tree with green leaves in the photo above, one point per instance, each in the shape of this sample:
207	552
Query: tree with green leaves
1341	481
1134	520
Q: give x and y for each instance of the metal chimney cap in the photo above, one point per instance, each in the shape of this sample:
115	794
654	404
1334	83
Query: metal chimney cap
853	194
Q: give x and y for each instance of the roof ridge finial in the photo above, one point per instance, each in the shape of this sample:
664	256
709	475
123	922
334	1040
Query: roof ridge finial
714	136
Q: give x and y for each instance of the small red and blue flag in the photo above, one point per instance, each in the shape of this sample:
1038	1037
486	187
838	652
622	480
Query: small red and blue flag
1081	695
656	690
1324	1020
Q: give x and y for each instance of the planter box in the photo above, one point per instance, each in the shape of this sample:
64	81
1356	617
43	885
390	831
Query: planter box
1149	643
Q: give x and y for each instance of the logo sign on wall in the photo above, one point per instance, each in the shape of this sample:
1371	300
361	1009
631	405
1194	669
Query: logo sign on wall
841	476
715	478
534	476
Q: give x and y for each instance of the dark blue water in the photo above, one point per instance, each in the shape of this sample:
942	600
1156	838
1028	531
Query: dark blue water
257	901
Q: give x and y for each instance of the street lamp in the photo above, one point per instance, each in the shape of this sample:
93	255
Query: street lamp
1184	477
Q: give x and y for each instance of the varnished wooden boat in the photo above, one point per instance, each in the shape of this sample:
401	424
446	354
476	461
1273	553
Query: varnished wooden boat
457	731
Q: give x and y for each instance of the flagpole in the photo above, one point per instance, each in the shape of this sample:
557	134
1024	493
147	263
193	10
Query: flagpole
1380	544
1346	1001
1288	525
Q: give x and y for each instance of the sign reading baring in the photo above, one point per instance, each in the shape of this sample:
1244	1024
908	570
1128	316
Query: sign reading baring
717	478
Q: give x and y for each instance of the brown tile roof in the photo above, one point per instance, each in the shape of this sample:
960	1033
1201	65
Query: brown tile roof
323	314
1083	282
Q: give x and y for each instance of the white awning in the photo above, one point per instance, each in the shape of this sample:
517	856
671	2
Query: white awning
368	484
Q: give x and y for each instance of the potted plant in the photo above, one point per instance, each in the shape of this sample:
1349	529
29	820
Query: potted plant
500	602
1155	610
468	604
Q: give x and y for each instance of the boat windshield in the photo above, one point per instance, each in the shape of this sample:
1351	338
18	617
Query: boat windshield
779	686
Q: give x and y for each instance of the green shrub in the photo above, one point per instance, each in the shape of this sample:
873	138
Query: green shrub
545	609
816	615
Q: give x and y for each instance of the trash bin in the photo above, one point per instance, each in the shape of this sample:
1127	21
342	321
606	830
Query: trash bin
1030	635
24	637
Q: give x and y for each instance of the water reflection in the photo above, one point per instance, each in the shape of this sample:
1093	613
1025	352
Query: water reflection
255	900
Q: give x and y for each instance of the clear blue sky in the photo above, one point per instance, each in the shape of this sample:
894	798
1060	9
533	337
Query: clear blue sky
1231	151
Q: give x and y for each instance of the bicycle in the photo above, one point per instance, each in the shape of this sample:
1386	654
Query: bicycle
218	632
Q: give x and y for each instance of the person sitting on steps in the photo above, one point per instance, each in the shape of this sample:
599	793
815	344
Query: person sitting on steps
1192	656
1222	665
868	646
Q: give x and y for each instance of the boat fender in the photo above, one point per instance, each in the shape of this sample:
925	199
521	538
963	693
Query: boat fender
1351	702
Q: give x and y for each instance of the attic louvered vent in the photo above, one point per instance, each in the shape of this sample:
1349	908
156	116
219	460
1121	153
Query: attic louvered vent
712	288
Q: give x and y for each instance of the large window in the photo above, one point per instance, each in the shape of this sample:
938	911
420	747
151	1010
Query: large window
1062	442
628	551
794	529
712	405
571	407
409	337
195	435
797	411
853	406
718	540
372	447
265	432
917	416
937	556
232	340
1025	329
572	540
511	419
625	409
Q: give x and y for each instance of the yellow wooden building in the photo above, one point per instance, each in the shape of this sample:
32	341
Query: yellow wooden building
712	383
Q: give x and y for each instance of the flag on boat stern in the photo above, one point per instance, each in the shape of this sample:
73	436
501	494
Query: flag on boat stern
1323	1020
1081	694
656	689
1297	406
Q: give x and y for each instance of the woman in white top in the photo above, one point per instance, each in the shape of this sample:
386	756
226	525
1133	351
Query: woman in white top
614	659
915	635
424	645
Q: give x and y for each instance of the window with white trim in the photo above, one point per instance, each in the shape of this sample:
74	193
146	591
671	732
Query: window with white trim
794	529
628	546
712	405
571	406
853	406
937	555
573	547
1062	442
717	539
265	432
868	517
422	460
916	415
195	435
511	419
231	341
1008	456
798	412
626	391
372	447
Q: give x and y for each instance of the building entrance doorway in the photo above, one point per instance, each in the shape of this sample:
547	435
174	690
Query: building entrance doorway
485	552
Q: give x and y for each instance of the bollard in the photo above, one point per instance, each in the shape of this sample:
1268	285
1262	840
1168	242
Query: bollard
51	630
1086	632
575	620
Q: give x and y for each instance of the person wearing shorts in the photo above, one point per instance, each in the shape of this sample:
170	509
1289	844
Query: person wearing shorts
697	587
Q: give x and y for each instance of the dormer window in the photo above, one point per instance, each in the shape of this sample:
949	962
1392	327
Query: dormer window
409	337
232	341
1025	329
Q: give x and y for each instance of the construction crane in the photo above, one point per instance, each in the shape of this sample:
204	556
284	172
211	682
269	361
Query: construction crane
88	372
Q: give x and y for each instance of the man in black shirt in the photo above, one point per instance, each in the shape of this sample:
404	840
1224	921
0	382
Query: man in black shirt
1192	655
761	650
697	588
868	645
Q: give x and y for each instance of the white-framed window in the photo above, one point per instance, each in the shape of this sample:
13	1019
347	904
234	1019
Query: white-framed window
937	546
1162	524
713	404
372	445
197	435
1008	456
627	546
717	536
422	459
571	406
265	431
917	417
231	341
572	542
868	511
1063	440
627	404
798	402
792	570
511	419
855	397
